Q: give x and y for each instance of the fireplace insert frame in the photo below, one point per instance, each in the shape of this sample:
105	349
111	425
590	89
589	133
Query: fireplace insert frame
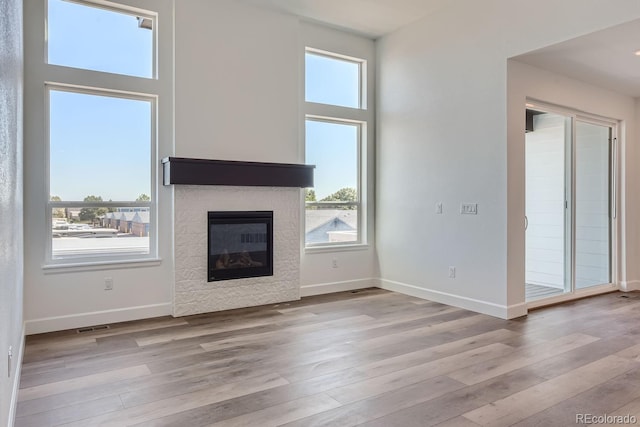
239	217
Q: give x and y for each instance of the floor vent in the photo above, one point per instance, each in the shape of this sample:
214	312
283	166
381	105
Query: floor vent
92	329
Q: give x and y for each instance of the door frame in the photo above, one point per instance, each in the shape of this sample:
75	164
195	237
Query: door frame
570	200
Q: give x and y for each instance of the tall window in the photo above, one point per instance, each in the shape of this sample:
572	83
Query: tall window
334	213
101	138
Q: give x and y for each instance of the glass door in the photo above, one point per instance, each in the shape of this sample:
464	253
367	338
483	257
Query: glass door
548	155
593	211
569	204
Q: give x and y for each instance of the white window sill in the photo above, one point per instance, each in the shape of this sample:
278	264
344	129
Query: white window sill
72	267
336	248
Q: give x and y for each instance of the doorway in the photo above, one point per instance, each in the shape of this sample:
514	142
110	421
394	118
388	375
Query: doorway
570	204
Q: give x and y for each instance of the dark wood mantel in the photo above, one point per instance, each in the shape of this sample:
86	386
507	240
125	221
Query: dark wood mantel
186	171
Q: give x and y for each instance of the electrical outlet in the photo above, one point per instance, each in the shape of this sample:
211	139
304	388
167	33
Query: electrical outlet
452	272
334	263
439	207
9	360
108	283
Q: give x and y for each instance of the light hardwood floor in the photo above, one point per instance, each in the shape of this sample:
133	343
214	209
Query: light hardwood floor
371	357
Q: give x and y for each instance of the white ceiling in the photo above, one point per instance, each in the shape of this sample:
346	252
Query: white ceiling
371	18
604	58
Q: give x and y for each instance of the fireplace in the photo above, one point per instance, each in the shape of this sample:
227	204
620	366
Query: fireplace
240	245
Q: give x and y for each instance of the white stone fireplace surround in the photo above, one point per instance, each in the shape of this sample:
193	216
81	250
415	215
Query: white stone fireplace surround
192	292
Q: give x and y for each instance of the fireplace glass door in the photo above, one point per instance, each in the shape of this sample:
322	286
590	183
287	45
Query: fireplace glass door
240	245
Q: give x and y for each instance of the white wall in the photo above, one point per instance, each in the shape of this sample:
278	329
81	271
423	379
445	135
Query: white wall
236	82
239	92
630	278
11	190
442	136
65	298
238	87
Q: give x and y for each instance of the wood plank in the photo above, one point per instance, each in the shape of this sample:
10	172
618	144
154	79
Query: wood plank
565	362
208	329
631	409
81	382
631	353
519	406
183	402
72	412
420	357
605	398
397	379
453	405
493	368
379	406
349	323
283	413
385	346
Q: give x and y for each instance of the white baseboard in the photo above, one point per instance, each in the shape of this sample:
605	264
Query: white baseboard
60	323
631	285
517	310
484	307
13	405
329	288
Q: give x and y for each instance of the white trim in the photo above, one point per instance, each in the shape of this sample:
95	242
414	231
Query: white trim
575	116
517	310
362	73
360	184
123	10
363	115
61	323
13	404
484	307
571	296
323	248
101	265
631	285
533	103
152	99
329	288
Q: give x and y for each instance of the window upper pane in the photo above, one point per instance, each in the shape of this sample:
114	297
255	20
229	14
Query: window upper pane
331	80
99	146
83	36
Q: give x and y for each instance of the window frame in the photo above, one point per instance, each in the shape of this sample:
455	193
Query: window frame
337	114
362	75
151	205
41	73
116	8
360	131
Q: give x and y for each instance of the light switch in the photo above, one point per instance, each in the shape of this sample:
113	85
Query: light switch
469	209
439	207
